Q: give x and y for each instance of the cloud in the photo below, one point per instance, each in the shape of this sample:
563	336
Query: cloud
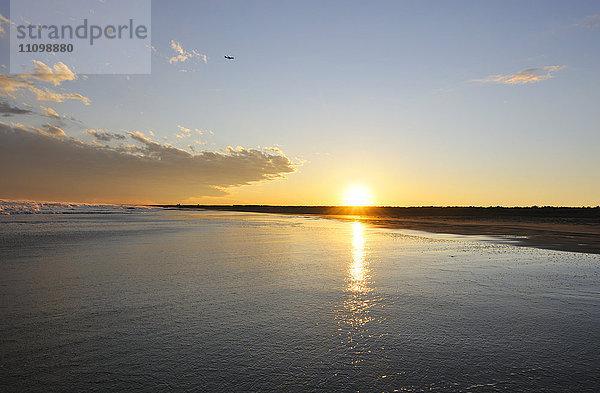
530	75
42	167
10	84
274	149
3	20
48	95
185	132
156	150
49	130
182	55
56	75
182	128
105	136
18	126
7	110
589	21
50	112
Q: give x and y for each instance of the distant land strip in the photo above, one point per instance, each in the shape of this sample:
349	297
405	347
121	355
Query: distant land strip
575	229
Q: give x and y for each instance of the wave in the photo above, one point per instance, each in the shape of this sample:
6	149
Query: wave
42	207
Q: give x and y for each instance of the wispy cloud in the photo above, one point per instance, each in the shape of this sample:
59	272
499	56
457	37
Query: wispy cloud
530	75
10	84
589	21
142	171
50	130
8	110
274	149
105	136
59	73
48	95
185	60
182	55
56	75
49	112
3	21
183	129
185	132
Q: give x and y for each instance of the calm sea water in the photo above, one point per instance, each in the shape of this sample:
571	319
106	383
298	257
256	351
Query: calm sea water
206	301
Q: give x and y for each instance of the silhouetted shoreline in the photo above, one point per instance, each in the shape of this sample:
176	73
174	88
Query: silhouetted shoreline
574	229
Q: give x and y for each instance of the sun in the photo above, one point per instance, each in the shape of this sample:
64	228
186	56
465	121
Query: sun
357	195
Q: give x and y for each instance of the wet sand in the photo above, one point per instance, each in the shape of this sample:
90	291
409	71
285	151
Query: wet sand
563	229
575	237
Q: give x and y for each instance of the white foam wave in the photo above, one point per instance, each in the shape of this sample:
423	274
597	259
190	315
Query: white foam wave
41	207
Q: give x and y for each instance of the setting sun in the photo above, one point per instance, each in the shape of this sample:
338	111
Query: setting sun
357	195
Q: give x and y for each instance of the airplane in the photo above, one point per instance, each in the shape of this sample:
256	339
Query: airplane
229	57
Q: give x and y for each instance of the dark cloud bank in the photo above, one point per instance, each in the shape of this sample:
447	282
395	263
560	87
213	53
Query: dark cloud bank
41	166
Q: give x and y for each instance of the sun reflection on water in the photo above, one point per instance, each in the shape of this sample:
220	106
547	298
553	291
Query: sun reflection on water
355	313
358	273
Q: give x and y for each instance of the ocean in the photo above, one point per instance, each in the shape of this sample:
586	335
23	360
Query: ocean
100	298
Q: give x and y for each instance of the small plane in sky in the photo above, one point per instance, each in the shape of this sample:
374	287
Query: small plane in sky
229	57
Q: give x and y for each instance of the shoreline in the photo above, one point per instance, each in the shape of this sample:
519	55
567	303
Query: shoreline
552	228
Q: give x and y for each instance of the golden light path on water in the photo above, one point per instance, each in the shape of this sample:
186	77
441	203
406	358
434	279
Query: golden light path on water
358	271
354	314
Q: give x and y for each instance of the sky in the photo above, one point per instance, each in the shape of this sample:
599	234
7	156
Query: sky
451	103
